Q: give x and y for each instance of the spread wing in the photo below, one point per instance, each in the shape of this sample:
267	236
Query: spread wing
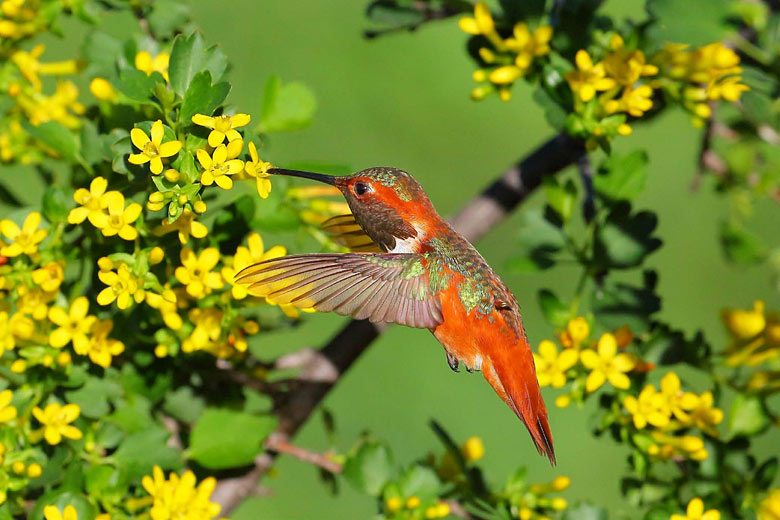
380	287
345	231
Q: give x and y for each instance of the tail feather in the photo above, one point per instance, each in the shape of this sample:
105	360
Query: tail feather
513	376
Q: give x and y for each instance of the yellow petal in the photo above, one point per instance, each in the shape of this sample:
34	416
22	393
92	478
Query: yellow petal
567	359
128	232
9	229
170	148
132	212
204	159
138	158
106	296
220	154
139	138
203	120
116	202
619	380
156	165
79	309
32	222
224	182
59	338
240	120
208	259
695	508
583	60
607	346
215	138
590	359
594	381
157	132
98	186
253	152
468	25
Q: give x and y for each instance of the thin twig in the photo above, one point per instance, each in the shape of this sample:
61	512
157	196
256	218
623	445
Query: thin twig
322	373
708	160
429	14
279	445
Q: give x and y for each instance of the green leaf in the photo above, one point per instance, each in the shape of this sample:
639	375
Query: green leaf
561	198
100	51
232	223
667	346
184	405
617	304
622	177
55	205
202	97
286	107
747	415
394	15
369	468
625	239
190	56
93	397
539	239
141	451
695	22
225	438
136	85
420	481
168	17
554	310
94	148
585	511
740	246
132	414
58	138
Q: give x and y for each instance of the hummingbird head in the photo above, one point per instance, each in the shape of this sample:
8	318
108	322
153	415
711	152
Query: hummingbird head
388	203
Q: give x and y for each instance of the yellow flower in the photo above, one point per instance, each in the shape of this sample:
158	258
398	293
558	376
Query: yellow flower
483	24
217	167
120	218
195	271
74	324
33	302
578	330
144	62
103	90
52	513
688	446
49	277
680	403
705	416
186	225
166	303
745	324
179	497
101	348
473	449
208	329
634	101
123	287
393	504
223	126
24	240
769	508
728	88
92	204
695	511
529	45
588	78
56	420
7	412
246	256
651	407
551	366
152	150
30	67
607	365
625	66
413	502
258	169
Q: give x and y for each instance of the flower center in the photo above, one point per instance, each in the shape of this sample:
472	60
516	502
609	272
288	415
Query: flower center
221	169
150	149
222	124
115	221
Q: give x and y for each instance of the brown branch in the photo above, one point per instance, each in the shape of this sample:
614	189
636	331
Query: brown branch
279	445
323	371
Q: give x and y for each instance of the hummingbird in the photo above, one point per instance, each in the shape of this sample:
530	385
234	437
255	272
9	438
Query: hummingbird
408	266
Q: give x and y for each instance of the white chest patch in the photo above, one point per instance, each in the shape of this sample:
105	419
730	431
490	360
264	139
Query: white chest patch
409	245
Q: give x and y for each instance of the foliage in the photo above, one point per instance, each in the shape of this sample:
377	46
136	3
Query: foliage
124	342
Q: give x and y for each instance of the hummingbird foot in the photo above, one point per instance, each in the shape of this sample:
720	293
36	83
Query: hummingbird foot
452	361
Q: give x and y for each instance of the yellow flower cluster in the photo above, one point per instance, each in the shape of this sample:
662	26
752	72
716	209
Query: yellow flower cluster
180	497
507	59
708	73
602	362
671	409
695	511
105	210
395	504
535	504
755	335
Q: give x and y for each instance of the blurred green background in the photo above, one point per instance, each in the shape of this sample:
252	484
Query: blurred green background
403	101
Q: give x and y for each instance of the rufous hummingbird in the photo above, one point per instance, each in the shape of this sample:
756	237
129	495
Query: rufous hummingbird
409	266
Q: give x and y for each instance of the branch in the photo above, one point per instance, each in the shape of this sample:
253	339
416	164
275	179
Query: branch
279	445
429	14
324	370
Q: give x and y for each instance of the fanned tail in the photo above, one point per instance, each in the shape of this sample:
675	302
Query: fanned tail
511	373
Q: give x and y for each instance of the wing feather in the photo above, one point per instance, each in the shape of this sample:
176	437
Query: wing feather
345	231
379	287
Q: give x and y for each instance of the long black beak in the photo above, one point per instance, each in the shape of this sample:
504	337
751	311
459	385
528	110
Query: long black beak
327	179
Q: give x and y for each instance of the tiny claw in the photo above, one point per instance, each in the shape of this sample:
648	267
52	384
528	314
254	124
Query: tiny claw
452	361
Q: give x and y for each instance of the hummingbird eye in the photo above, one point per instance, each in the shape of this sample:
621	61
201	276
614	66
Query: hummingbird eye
361	188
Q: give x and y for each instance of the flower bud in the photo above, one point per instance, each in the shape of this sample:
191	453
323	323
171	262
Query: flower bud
103	90
199	206
156	255
473	449
171	175
19	366
393	504
64	359
413	502
34	470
